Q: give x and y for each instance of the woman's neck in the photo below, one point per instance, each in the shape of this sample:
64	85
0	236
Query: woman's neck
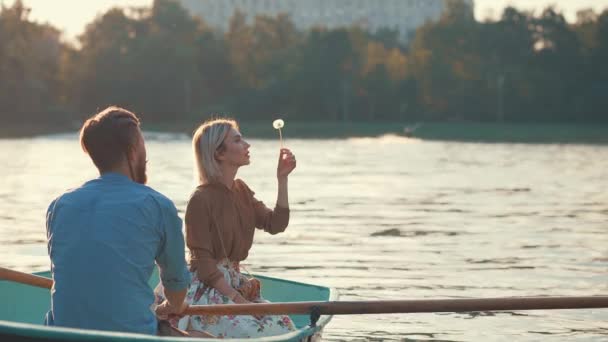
228	176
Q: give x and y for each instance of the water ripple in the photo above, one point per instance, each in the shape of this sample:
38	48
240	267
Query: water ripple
384	218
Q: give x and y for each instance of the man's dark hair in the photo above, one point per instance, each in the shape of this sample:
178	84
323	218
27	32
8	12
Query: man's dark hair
109	136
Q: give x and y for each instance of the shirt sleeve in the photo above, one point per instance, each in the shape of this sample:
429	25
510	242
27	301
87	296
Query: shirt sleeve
199	240
171	259
272	221
49	221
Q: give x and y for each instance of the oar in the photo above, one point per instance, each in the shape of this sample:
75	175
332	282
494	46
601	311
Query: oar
367	307
404	306
25	278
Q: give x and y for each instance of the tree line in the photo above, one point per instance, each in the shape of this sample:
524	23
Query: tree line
169	66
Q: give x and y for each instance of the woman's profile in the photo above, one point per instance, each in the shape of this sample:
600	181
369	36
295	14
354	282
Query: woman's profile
221	218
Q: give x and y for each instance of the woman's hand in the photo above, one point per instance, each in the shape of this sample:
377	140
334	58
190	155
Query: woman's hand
287	162
239	299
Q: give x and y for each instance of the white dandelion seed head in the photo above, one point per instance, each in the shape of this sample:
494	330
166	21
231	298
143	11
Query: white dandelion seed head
278	124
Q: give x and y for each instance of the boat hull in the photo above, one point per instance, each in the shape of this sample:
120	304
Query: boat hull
23	309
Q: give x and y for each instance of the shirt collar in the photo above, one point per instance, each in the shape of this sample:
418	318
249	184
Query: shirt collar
114	176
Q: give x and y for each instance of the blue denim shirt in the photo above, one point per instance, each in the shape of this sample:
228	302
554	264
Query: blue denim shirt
103	240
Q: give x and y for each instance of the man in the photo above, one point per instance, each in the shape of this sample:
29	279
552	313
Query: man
105	237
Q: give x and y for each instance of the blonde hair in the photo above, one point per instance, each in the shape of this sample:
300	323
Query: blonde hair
208	138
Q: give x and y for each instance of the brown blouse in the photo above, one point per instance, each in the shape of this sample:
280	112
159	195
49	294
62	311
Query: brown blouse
234	213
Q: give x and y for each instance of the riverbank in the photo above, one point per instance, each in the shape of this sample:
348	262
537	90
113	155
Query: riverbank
470	132
15	131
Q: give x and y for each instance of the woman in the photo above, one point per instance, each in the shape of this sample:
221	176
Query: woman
221	218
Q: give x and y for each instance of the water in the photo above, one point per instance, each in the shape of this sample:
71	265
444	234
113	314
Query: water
384	218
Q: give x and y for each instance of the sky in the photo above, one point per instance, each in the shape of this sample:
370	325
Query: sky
72	15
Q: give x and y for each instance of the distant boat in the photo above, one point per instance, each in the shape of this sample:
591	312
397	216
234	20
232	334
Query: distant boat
23	309
408	131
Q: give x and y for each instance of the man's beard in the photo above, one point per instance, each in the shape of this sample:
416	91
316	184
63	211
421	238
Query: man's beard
140	174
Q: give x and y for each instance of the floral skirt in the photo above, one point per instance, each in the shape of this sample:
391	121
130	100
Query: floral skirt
226	326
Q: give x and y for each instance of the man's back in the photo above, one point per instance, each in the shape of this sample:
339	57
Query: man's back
103	240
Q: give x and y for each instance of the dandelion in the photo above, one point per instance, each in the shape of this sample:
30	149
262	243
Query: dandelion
278	124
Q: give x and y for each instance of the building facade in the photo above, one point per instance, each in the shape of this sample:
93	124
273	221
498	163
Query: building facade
400	15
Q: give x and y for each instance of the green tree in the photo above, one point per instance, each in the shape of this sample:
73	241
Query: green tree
444	58
504	65
556	69
148	62
30	67
323	79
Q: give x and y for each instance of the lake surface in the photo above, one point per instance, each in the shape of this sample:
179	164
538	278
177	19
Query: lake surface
384	218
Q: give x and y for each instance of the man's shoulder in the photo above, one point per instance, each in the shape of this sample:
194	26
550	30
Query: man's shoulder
133	192
69	194
156	196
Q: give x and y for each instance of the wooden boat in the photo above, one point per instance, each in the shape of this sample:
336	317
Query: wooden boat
23	307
